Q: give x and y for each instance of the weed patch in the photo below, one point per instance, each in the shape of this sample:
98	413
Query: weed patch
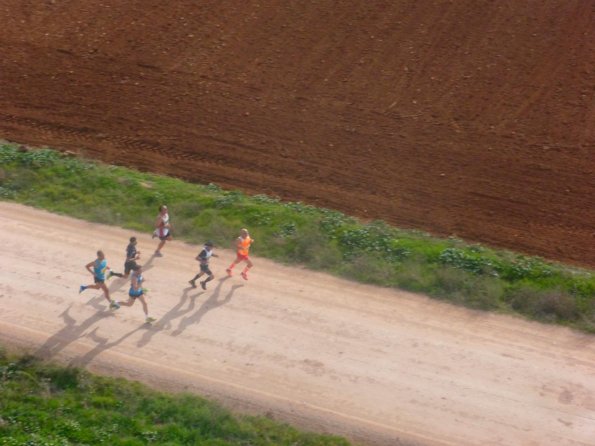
43	404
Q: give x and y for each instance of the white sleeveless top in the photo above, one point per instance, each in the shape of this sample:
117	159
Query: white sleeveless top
162	231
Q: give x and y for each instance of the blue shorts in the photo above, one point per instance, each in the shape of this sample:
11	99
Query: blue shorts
135	294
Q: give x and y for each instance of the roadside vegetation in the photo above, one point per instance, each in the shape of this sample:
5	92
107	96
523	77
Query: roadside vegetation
295	233
46	405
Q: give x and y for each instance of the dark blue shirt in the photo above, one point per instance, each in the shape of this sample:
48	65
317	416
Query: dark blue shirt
205	255
131	251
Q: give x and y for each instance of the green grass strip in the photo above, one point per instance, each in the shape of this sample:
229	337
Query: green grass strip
46	405
294	233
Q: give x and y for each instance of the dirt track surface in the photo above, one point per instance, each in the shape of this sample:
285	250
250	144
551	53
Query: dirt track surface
379	366
467	117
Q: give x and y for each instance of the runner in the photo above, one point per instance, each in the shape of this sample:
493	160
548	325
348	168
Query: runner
203	257
243	243
137	292
163	229
97	268
132	255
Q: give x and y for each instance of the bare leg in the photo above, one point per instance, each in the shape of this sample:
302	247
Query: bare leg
162	243
246	269
234	263
128	303
95	286
144	303
192	281
105	291
203	284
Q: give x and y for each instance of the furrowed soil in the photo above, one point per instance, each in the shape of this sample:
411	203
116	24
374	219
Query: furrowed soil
473	118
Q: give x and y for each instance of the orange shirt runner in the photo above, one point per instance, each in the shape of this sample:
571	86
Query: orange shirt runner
244	247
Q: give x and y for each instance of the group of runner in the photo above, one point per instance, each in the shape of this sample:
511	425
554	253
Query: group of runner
101	272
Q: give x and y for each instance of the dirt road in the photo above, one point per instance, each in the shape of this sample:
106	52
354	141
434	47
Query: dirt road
376	365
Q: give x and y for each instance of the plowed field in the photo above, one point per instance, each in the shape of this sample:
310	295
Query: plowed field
468	117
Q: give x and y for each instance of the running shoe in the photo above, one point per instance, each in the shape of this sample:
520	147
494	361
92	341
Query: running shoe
81	289
244	275
191	282
203	285
228	272
149	319
114	305
158	254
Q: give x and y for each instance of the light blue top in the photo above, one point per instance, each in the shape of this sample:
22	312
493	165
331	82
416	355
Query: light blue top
99	268
139	281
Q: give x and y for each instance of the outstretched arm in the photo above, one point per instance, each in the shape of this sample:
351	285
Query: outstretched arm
89	267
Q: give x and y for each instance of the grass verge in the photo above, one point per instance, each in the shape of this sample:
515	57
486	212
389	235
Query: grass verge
46	405
294	233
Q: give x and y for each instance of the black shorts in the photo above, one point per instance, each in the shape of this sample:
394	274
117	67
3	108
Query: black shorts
168	236
204	268
129	266
98	280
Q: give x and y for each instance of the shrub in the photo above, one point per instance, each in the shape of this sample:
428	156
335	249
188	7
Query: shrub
62	377
413	275
368	268
558	305
468	260
548	305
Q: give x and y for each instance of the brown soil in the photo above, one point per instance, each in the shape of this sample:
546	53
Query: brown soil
467	117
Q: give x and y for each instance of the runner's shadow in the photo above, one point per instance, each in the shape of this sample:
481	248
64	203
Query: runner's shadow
99	302
69	333
210	304
102	344
165	322
116	284
149	263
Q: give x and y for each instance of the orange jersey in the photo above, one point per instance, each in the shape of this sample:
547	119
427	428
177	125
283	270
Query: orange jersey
244	245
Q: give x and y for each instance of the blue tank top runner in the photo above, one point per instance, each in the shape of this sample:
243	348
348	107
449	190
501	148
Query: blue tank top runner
99	268
135	293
